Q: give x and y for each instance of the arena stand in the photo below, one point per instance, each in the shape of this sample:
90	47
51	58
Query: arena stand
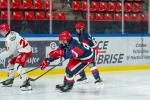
104	14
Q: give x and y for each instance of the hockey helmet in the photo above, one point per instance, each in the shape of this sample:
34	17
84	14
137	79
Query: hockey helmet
80	25
65	37
4	27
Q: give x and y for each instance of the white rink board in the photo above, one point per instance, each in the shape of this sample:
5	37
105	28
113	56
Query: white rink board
114	51
133	50
122	51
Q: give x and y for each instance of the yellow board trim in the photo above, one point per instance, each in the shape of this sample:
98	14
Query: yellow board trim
87	70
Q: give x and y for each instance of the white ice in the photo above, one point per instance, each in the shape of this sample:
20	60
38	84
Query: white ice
130	85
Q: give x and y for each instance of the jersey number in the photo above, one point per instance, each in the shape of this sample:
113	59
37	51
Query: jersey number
23	43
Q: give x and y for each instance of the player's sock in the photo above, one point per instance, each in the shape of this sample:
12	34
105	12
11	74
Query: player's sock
10	68
21	72
96	75
10	73
26	83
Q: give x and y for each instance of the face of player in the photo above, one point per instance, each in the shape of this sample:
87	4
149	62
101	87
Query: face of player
64	42
79	31
3	33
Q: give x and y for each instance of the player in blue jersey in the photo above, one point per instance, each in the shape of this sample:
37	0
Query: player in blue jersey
79	55
87	39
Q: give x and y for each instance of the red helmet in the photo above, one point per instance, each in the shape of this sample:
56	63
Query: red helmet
65	36
4	27
80	25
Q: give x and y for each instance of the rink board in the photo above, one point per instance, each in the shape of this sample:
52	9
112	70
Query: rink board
116	53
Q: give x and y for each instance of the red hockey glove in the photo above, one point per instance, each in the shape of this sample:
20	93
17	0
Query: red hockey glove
56	53
44	63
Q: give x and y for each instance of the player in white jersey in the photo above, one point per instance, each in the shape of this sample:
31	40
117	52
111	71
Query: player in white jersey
20	50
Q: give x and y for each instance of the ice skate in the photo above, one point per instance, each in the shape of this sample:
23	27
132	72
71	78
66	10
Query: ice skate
58	86
8	82
82	79
66	88
99	82
26	86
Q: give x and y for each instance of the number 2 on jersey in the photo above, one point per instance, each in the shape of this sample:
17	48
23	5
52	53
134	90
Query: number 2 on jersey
23	43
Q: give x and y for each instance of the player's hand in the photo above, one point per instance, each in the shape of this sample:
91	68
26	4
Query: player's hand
56	53
44	63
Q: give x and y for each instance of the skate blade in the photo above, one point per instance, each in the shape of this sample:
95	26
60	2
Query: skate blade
100	85
57	88
10	85
63	91
29	88
82	82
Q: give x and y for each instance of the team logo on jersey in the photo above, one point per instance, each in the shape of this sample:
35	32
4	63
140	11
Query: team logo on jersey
53	45
12	38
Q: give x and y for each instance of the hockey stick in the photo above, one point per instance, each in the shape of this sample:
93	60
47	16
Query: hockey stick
19	75
31	79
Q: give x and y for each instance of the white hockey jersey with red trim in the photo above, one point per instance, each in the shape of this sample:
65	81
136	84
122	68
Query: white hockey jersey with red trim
15	44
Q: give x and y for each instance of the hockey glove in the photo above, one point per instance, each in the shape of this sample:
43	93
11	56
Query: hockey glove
44	63
56	53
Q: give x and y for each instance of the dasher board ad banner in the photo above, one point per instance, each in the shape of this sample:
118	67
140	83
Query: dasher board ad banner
124	51
113	51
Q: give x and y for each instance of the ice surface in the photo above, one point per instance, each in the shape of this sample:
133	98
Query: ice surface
130	85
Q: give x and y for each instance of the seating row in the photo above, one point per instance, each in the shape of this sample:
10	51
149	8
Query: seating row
27	4
107	6
30	15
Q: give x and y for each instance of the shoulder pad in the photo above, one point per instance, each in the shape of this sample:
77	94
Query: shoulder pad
12	36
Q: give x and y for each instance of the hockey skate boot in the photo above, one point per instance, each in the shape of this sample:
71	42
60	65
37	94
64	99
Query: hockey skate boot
66	88
26	85
99	82
8	82
83	78
58	86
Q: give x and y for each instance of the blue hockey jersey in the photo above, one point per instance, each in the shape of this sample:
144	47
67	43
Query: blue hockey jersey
87	39
77	50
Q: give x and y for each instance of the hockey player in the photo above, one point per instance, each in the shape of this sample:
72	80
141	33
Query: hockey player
21	51
80	56
86	38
